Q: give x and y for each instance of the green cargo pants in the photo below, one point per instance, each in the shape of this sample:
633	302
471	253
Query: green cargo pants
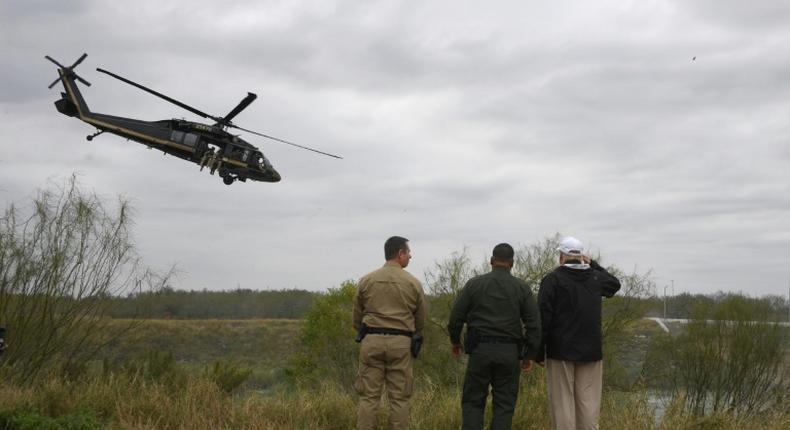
497	365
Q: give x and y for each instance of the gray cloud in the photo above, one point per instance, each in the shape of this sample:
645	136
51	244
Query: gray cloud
460	126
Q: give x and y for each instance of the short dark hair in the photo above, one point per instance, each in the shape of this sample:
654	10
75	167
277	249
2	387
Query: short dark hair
503	252
393	245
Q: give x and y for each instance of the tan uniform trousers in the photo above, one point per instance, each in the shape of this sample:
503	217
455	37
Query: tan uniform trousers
384	359
574	393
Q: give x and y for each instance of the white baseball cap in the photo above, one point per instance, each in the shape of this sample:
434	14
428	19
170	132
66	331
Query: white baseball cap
571	245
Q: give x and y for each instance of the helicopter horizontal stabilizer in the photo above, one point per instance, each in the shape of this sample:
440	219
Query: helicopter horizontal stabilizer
66	107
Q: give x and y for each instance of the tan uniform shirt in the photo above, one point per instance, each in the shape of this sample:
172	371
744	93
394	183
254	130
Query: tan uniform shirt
390	297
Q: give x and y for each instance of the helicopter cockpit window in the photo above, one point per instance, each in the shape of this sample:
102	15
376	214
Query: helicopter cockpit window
190	139
236	152
246	155
177	136
262	161
185	138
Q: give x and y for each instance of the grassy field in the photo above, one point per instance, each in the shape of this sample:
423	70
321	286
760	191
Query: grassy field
123	403
263	346
195	401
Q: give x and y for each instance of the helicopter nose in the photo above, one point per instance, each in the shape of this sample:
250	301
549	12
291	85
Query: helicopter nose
274	176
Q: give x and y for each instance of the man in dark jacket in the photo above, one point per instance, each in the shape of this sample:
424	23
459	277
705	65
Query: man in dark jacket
570	309
502	331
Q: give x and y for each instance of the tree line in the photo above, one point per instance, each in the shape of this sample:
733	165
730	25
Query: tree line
231	304
688	306
170	303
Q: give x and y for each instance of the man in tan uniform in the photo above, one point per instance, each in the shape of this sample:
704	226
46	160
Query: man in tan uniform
390	307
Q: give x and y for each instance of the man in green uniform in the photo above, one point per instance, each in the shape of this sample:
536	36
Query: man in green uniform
389	307
502	331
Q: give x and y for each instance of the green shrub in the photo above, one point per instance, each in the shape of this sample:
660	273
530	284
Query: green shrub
61	259
155	366
728	358
32	421
327	347
227	375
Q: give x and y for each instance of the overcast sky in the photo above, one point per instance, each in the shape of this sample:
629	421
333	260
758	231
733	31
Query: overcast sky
461	124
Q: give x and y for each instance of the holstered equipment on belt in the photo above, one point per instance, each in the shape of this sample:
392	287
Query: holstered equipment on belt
522	349
416	344
361	333
471	339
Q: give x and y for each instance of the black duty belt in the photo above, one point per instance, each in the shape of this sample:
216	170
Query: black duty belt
497	339
389	331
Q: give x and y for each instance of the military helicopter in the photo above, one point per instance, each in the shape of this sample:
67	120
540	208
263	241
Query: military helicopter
209	146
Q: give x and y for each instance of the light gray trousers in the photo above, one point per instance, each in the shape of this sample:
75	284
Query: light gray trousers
574	393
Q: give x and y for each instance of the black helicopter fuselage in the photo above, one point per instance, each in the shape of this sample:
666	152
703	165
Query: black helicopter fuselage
209	146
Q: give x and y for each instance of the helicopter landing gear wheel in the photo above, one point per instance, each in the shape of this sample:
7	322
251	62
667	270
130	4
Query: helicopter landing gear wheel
227	180
91	136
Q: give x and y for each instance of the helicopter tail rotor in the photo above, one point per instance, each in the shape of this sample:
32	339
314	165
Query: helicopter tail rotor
68	71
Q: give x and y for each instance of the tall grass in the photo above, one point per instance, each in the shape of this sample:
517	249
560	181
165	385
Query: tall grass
123	402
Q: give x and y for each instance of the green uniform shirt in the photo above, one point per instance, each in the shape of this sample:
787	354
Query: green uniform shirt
390	297
497	304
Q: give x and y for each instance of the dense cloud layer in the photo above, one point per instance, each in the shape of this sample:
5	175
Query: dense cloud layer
461	124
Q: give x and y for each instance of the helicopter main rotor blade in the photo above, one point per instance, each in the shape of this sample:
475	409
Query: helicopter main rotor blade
240	107
286	142
160	95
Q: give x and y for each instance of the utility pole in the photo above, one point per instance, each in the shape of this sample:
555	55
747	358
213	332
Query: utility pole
665	301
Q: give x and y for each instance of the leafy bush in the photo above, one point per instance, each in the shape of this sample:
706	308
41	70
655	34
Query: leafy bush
227	375
154	366
32	421
327	347
728	358
59	262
